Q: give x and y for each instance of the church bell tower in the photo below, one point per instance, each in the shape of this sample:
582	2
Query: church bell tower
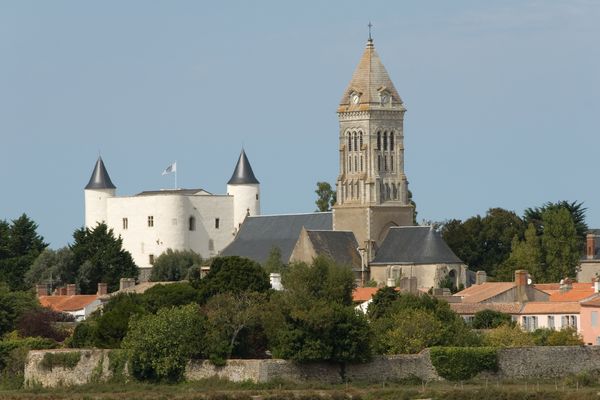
372	189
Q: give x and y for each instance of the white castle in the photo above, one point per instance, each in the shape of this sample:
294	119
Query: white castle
180	219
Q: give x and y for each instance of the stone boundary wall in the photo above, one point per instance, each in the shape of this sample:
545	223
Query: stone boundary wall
93	366
515	363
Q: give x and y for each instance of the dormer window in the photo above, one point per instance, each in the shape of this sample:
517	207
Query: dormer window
354	98
385	97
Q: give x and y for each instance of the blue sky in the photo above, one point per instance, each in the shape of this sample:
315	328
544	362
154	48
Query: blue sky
503	99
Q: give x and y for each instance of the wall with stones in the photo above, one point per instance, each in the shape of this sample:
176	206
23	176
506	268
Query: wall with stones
517	363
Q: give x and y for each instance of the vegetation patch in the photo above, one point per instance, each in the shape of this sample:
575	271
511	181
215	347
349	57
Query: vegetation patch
117	364
68	360
462	363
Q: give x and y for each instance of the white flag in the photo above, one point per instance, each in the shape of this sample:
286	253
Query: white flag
170	168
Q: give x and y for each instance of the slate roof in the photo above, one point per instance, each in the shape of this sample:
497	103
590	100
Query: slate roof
338	245
259	234
242	174
100	178
369	78
414	245
186	192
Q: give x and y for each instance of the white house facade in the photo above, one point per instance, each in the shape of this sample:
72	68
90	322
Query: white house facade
180	219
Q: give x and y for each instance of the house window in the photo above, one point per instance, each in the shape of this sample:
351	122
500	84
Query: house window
569	321
125	223
192	224
217	223
530	323
150	221
594	319
151	259
550	322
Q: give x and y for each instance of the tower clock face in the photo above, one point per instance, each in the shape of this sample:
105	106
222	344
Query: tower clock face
355	99
384	99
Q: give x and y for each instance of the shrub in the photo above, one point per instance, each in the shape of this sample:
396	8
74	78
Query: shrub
489	319
117	363
32	343
462	363
508	336
160	345
41	322
68	360
111	327
565	337
173	265
170	295
406	332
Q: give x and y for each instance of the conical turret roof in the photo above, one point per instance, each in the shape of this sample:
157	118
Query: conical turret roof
100	178
243	173
370	82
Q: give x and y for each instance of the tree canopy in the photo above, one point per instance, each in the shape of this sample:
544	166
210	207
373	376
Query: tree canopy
173	265
326	196
101	258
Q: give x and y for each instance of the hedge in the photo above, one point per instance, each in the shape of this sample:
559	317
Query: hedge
462	363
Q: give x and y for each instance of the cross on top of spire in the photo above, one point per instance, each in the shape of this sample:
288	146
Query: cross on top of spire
370	26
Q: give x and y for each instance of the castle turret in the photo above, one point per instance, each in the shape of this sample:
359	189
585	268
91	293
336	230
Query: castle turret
245	189
97	191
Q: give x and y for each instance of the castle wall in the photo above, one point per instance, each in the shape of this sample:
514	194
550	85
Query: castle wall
96	205
246	199
171	215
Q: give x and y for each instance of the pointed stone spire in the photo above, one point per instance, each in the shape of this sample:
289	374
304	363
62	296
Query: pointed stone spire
370	85
243	173
100	178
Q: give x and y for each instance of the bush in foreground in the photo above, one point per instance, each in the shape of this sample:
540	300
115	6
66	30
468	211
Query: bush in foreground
462	363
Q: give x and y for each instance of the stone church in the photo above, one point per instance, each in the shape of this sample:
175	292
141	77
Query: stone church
370	228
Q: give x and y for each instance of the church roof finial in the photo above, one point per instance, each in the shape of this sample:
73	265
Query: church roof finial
243	173
370	26
100	178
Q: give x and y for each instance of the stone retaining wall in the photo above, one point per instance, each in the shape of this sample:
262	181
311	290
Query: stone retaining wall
516	363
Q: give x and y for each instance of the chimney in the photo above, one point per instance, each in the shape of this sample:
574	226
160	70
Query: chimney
71	289
62	291
596	284
521	277
275	280
102	289
480	277
125	283
565	285
41	290
591	246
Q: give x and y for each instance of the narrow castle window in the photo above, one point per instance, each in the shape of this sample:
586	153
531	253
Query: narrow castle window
378	163
355	163
392	141
125	223
385	163
211	245
256	196
217	223
378	140
349	163
391	163
192	224
349	142
361	140
355	141
151	259
385	141
150	221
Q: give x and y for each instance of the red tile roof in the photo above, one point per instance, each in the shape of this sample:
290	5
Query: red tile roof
571	295
67	303
487	290
547	307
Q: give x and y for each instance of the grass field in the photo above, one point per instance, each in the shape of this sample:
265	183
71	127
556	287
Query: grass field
222	390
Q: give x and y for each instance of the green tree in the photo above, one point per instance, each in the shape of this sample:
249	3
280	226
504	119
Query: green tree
324	279
55	267
109	329
173	265
464	238
101	258
526	254
412	202
408	332
382	302
577	211
233	274
13	304
326	196
489	319
508	336
20	246
161	344
170	295
274	264
229	315
560	244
